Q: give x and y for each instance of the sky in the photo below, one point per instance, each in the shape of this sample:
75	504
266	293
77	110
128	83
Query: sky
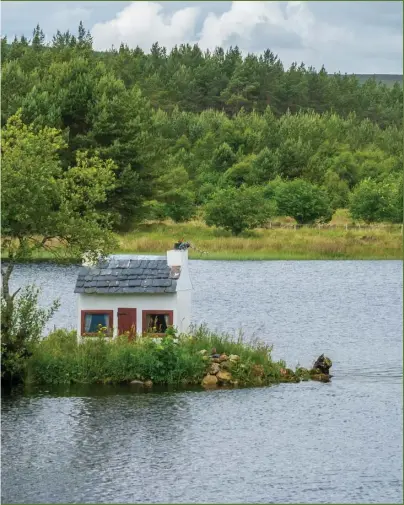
351	37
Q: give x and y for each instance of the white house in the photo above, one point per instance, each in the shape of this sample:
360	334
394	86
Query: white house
135	294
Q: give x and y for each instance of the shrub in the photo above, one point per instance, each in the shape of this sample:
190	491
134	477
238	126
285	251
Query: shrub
372	201
22	324
301	200
238	209
180	205
172	360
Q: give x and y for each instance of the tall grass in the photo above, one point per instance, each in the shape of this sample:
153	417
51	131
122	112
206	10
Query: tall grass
279	243
58	359
384	242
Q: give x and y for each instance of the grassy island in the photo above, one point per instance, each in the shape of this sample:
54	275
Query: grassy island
199	358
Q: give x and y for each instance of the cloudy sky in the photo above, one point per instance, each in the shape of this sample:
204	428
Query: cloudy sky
352	37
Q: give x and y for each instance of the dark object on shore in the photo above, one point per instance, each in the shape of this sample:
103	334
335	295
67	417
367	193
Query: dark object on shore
323	365
181	245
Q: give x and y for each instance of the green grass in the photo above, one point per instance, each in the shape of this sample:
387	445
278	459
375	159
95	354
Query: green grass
58	359
384	242
266	244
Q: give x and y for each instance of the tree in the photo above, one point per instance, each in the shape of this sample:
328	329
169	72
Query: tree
301	200
242	172
44	207
180	205
22	324
38	38
336	189
223	157
238	209
377	202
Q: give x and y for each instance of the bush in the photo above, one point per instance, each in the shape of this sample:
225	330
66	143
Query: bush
58	359
301	200
180	205
238	209
22	324
372	201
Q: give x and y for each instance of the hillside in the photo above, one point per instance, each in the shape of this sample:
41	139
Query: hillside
210	134
387	79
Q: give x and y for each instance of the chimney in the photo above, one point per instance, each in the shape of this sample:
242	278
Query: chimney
177	257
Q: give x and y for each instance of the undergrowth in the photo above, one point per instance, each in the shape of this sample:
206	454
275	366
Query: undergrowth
172	360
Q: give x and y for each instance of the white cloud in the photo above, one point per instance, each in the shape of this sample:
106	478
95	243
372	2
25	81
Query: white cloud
143	23
257	25
244	18
240	20
358	37
64	18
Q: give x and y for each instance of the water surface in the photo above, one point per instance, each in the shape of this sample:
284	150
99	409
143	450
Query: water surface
310	443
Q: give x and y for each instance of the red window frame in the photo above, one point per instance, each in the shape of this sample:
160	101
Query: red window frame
110	313
145	313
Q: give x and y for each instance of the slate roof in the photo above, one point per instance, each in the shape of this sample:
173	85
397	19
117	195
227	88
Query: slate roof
116	276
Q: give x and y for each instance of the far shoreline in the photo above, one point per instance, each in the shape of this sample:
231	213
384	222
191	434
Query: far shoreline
261	244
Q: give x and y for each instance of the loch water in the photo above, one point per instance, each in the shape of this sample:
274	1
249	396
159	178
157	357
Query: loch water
340	442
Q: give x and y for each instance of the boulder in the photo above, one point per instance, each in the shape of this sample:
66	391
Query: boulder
214	368
302	373
224	376
226	365
148	383
137	382
321	377
323	364
223	357
215	360
209	380
203	352
258	371
234	357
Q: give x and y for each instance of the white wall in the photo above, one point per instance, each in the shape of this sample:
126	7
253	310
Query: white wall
180	258
179	302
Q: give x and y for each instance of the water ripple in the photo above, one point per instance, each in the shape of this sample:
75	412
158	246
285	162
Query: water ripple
311	443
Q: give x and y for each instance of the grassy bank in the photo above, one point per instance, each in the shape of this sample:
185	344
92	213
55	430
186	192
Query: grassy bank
379	243
201	358
267	244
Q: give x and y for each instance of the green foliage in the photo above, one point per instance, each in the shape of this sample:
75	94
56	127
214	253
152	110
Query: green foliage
41	202
336	189
180	124
374	202
58	359
180	205
172	360
238	209
301	200
22	325
45	207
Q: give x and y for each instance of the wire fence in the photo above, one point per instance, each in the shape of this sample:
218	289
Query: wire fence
328	226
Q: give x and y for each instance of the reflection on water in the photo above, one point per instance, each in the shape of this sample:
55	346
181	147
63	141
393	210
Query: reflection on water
310	442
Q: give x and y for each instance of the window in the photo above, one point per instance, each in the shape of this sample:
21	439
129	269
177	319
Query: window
156	322
94	320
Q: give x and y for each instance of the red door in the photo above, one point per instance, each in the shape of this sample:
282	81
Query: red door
127	322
